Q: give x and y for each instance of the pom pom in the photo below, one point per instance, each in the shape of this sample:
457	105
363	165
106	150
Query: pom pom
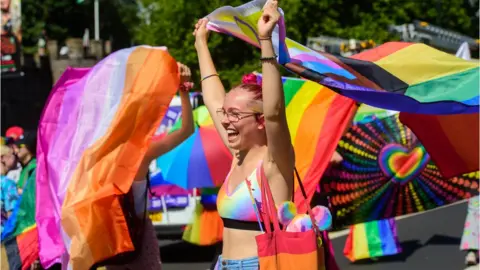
249	78
300	223
322	217
286	212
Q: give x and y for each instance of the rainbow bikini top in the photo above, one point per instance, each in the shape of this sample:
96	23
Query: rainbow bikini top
237	207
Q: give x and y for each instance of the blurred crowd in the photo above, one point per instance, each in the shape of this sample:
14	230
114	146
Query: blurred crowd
18	163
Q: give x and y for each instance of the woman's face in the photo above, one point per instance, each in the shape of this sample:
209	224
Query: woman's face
243	124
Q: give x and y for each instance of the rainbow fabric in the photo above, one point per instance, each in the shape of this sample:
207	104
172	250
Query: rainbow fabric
372	240
93	134
317	118
386	172
397	76
366	113
206	227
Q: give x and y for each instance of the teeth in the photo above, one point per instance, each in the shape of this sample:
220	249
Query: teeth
231	132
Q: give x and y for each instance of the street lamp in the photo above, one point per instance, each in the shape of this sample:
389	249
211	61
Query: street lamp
96	10
96	15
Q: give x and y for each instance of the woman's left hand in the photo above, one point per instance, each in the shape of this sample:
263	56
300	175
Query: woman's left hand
269	19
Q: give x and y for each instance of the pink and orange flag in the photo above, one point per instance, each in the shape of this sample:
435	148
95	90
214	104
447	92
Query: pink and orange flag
93	134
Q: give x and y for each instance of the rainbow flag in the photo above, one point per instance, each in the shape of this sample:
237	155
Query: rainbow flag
366	113
317	118
398	76
372	239
93	134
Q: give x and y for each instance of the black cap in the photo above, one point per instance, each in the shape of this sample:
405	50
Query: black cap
29	139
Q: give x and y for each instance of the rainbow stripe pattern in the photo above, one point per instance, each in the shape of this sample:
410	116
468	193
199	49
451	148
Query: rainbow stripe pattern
372	239
316	119
93	134
386	172
398	76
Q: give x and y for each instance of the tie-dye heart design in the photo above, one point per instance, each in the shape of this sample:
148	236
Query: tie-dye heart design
400	164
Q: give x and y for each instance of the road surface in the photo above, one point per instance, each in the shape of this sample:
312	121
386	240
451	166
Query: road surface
430	241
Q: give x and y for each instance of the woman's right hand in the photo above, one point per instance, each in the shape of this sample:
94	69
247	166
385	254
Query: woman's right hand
201	32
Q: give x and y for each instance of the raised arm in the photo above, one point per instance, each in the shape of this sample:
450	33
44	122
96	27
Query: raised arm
278	136
171	140
212	87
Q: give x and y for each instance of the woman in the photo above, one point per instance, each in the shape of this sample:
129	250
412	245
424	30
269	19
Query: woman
251	121
471	235
149	256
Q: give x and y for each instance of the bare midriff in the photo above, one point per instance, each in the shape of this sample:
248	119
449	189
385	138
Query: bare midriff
239	244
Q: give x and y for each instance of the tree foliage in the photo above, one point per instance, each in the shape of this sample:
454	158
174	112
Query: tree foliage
62	19
170	23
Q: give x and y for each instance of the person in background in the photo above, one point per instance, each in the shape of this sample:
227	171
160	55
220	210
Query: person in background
26	153
471	235
8	192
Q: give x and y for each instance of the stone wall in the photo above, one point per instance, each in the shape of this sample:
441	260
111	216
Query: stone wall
77	56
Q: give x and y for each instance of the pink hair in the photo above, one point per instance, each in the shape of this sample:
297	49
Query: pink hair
252	84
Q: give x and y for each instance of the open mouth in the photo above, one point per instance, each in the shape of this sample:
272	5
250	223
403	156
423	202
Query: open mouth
232	134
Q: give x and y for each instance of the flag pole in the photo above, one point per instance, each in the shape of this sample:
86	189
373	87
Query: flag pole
97	20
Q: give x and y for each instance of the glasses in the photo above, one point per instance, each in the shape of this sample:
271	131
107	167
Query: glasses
234	116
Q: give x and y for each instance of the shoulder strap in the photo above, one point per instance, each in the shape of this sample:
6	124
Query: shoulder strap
149	187
148	190
269	210
300	184
309	209
256	207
